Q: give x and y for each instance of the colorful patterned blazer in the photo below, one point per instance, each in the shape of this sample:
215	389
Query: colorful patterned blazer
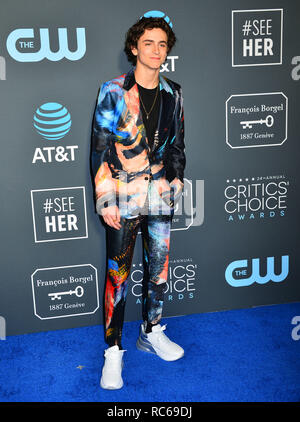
123	164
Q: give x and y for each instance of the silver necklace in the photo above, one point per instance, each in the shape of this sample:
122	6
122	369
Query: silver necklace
148	113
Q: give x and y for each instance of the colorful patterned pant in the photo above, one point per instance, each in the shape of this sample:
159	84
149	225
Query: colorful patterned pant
155	231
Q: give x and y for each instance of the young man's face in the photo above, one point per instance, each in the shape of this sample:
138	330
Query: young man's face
152	48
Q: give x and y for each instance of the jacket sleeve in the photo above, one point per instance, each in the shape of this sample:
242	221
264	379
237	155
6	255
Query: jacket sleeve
176	151
102	137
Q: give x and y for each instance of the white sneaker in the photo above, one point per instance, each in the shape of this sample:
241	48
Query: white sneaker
158	343
112	369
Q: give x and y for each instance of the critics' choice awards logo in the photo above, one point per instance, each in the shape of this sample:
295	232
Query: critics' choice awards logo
255	198
59	214
256	120
65	291
257	37
53	121
245	272
180	284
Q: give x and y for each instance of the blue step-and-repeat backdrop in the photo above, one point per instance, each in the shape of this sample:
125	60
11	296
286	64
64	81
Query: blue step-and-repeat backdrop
235	234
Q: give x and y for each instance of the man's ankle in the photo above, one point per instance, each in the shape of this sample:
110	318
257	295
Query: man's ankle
115	344
149	326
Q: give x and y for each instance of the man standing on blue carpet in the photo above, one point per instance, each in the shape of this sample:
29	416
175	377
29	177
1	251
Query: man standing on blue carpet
138	162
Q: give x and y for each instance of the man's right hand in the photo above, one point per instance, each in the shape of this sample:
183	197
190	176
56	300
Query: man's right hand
111	216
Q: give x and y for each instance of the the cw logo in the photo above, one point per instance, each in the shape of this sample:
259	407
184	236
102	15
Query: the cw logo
240	268
19	35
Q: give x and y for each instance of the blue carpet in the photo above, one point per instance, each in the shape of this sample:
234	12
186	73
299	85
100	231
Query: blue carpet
243	355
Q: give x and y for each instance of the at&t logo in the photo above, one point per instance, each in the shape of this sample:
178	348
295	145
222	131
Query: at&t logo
157	14
240	273
53	121
171	61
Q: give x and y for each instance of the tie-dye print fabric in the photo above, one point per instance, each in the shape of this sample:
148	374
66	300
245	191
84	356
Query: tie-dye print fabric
122	160
120	247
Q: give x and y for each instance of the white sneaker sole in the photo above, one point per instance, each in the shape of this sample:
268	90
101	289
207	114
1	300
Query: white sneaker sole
111	387
145	347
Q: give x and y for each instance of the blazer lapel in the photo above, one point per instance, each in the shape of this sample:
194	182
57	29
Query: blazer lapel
167	108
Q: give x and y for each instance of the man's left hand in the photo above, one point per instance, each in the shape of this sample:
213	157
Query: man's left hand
177	186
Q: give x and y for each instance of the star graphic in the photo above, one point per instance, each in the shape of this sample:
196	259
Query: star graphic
79	367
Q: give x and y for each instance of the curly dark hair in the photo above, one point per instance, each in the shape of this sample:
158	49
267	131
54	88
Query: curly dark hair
136	31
